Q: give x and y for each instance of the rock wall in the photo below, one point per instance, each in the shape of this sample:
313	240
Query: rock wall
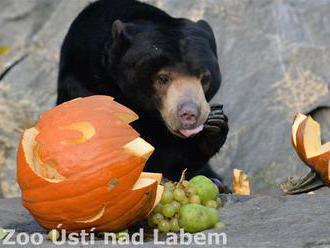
274	56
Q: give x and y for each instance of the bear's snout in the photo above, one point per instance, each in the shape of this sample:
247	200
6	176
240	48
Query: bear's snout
188	114
183	104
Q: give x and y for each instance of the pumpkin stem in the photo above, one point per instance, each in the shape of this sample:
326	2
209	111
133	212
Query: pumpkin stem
294	185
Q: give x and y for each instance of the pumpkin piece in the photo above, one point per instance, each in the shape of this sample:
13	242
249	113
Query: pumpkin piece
160	191
81	167
316	155
139	148
241	184
298	119
160	188
156	176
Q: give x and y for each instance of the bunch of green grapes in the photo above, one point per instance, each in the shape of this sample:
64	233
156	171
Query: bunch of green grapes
165	216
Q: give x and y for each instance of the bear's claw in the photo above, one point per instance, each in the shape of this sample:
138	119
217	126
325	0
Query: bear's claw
221	186
217	121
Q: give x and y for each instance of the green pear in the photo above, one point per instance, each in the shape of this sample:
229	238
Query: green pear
196	218
205	188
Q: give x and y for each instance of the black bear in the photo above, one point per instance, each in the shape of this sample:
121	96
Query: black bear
164	68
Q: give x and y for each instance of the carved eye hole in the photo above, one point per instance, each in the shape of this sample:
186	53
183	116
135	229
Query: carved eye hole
163	79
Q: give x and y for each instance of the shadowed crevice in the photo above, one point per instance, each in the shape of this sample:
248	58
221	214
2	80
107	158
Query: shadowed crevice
12	65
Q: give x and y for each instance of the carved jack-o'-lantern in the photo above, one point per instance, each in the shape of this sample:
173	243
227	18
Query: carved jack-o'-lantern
81	167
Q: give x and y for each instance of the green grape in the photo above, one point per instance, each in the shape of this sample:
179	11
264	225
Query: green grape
174	225
185	201
169	210
151	221
219	225
177	205
211	204
122	234
158	208
195	199
219	202
157	217
164	226
169	185
190	190
167	197
53	234
179	195
185	183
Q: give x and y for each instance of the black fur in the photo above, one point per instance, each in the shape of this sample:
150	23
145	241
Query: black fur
120	58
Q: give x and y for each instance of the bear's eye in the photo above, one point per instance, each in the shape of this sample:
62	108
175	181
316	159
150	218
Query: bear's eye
163	79
206	77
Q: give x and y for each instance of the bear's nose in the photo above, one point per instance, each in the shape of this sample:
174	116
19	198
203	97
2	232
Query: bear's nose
188	113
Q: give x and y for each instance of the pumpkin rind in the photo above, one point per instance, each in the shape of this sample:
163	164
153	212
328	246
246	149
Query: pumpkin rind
320	165
81	148
319	162
298	119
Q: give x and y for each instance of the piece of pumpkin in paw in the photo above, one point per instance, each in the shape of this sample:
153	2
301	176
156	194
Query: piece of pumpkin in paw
81	167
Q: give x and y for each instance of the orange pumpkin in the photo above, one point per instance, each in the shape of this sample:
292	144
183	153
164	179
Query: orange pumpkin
306	139
81	167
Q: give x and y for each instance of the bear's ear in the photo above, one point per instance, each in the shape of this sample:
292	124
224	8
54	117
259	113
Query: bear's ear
119	30
117	43
205	26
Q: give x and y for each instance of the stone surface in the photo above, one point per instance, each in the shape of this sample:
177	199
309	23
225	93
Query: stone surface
274	57
250	221
28	73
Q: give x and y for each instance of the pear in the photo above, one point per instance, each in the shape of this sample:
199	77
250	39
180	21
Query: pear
205	188
196	218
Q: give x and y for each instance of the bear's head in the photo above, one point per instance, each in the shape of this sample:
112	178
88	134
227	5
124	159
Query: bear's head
168	70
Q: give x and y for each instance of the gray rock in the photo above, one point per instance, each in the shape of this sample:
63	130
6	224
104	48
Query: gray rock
250	221
322	115
272	67
274	57
21	20
28	72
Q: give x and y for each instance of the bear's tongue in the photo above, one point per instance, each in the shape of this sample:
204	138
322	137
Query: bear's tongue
190	132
